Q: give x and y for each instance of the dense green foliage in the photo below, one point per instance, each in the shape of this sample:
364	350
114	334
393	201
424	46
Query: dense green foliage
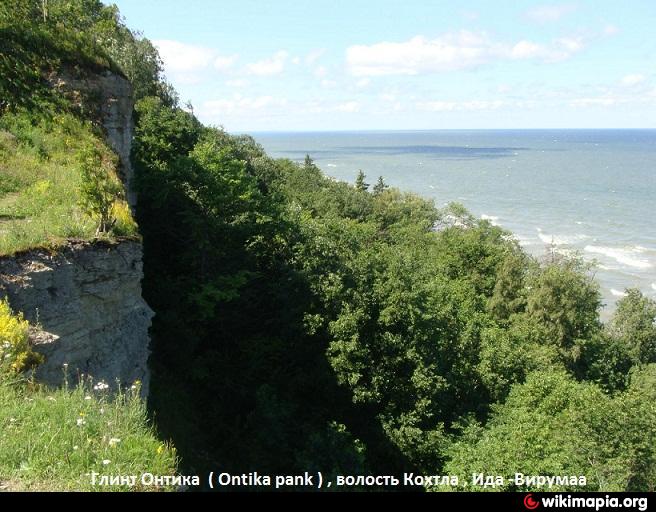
305	323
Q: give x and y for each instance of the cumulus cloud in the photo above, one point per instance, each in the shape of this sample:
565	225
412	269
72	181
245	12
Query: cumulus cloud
180	57
451	51
241	104
274	65
632	80
549	13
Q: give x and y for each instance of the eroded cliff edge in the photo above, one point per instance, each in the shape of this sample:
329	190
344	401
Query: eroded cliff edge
84	299
85	304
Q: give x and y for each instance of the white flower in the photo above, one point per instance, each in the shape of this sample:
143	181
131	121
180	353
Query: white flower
87	397
101	386
106	461
102	410
114	441
81	421
76	447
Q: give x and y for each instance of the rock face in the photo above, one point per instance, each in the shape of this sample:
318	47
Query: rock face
108	98
85	301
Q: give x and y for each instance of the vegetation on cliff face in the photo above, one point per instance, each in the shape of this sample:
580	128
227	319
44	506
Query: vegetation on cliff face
307	324
59	180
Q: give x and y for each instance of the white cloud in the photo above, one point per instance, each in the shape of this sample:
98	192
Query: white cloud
549	13
296	61
560	49
328	84
241	104
632	80
451	51
272	66
224	62
181	57
387	97
362	83
450	106
526	50
610	30
349	106
238	83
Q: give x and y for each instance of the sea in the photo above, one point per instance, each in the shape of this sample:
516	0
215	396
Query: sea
585	192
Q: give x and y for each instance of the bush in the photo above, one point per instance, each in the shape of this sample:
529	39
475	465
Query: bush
16	355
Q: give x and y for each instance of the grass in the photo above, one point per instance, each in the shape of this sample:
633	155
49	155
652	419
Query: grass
54	440
40	183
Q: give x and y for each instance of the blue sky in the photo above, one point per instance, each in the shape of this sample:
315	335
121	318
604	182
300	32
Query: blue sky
283	65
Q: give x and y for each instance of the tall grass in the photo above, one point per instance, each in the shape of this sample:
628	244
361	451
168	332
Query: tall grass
54	440
40	182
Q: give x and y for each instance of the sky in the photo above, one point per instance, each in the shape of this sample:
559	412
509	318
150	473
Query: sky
323	65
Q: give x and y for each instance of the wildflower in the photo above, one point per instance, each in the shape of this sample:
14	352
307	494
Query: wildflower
101	386
76	447
160	449
81	422
114	441
106	461
87	397
102	410
51	399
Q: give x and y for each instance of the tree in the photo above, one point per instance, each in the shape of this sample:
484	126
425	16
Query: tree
380	186
564	301
553	425
634	324
100	187
360	183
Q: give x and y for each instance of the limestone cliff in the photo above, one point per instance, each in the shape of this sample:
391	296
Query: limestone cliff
85	303
85	298
106	98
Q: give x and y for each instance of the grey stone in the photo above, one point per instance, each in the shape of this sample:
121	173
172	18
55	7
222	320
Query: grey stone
85	305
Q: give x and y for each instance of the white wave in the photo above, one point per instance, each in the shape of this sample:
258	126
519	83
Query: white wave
560	239
617	293
623	256
492	219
